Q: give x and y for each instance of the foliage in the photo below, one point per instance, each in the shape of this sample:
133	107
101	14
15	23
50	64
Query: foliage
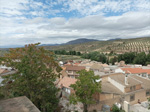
63	52
113	60
127	57
135	58
149	103
96	56
116	109
85	87
140	58
148	59
35	76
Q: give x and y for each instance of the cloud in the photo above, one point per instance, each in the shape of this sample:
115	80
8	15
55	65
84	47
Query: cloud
88	7
59	29
25	21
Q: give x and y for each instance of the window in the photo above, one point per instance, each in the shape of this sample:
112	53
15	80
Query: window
132	88
148	93
69	71
132	97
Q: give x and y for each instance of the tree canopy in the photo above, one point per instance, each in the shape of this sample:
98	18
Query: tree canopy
149	103
96	56
86	86
36	72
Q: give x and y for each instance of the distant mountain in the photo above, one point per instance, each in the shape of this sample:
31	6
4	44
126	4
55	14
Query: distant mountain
117	45
49	44
79	41
114	39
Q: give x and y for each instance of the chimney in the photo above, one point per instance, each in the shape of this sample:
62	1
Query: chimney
126	80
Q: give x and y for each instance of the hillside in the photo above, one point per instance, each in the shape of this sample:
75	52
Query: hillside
80	41
118	46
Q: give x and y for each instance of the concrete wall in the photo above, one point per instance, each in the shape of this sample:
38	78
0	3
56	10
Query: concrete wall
99	105
105	97
137	87
116	84
141	95
119	70
105	79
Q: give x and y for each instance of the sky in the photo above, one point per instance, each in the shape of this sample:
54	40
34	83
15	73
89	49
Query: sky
59	21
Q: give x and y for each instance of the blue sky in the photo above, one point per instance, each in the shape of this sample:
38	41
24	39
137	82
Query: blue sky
58	21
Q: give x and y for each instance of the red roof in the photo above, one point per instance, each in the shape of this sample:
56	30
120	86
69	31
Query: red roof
136	70
67	81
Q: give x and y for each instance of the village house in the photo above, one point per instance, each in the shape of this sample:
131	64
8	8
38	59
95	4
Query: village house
72	70
137	71
64	85
97	67
4	72
119	88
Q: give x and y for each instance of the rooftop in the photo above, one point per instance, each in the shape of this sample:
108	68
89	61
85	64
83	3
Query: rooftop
18	104
97	66
109	88
75	68
67	81
145	82
120	78
136	70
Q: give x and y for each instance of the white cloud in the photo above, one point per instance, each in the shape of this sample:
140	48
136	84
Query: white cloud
88	7
55	30
25	21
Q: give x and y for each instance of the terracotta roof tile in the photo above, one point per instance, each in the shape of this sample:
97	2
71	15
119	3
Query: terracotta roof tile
120	78
18	104
75	68
67	81
136	70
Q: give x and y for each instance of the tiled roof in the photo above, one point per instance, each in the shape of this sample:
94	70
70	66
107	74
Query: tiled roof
67	81
1	70
75	68
145	82
18	104
97	66
109	88
120	78
136	70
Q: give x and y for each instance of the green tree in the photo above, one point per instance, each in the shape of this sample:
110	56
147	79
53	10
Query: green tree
102	58
36	73
96	56
149	103
85	87
116	109
127	57
140	58
78	53
113	60
148	59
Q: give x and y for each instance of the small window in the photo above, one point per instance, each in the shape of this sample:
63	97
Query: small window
148	93
69	71
132	97
134	87
131	88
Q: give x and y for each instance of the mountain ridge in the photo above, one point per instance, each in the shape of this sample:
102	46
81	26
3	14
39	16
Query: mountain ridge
116	45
